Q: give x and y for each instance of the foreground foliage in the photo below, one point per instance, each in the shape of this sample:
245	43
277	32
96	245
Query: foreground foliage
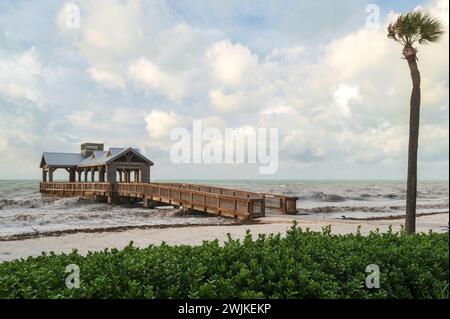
303	264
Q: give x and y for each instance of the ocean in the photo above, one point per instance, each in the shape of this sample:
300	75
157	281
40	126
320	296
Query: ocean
23	210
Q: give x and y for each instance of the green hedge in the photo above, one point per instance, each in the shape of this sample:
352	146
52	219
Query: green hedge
303	264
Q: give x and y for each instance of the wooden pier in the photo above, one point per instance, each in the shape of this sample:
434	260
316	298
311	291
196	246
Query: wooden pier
119	174
202	198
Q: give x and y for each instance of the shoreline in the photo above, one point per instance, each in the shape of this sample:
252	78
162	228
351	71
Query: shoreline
393	217
97	240
63	232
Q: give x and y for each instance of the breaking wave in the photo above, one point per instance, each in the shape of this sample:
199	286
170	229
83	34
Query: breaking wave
323	197
41	202
24	203
330	197
368	209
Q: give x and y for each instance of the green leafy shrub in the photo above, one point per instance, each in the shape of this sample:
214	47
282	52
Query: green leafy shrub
302	264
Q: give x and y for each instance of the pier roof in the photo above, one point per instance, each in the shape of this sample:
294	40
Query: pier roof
97	158
60	159
105	157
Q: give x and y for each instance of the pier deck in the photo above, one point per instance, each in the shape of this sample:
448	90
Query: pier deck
203	198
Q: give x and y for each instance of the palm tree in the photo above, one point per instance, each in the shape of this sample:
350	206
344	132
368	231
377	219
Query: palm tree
409	29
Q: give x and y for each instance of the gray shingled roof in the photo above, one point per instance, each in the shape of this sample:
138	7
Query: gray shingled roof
61	159
97	158
100	157
115	150
110	155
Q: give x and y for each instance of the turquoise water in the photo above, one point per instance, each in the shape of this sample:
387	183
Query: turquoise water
22	209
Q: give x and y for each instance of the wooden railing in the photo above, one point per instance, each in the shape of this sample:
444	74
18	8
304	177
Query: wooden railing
211	199
226	205
64	188
210	202
281	203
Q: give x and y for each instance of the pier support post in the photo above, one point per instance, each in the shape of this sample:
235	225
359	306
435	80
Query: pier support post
113	198
50	174
72	175
148	203
101	174
187	211
136	176
111	173
144	174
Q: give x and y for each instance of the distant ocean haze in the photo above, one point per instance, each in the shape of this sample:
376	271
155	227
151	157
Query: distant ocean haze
24	210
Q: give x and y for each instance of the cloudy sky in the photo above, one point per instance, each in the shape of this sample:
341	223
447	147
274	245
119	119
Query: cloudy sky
332	83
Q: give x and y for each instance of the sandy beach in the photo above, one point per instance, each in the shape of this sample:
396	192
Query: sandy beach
194	235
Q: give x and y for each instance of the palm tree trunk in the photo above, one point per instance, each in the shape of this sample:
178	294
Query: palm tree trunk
411	189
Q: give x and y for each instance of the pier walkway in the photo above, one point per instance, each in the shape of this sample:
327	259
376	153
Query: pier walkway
202	198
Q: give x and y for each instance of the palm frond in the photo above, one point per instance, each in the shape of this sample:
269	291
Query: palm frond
415	26
431	30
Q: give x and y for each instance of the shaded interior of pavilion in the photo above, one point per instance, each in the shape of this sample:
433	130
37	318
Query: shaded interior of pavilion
90	174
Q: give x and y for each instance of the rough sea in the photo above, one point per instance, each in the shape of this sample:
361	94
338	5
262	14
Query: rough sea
23	210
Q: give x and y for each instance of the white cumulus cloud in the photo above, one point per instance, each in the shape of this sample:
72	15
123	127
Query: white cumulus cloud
148	76
161	123
230	63
107	79
21	75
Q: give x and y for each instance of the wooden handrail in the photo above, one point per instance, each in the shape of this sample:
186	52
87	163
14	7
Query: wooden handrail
235	202
122	187
221	189
282	199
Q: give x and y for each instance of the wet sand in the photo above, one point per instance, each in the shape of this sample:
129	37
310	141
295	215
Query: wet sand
194	235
